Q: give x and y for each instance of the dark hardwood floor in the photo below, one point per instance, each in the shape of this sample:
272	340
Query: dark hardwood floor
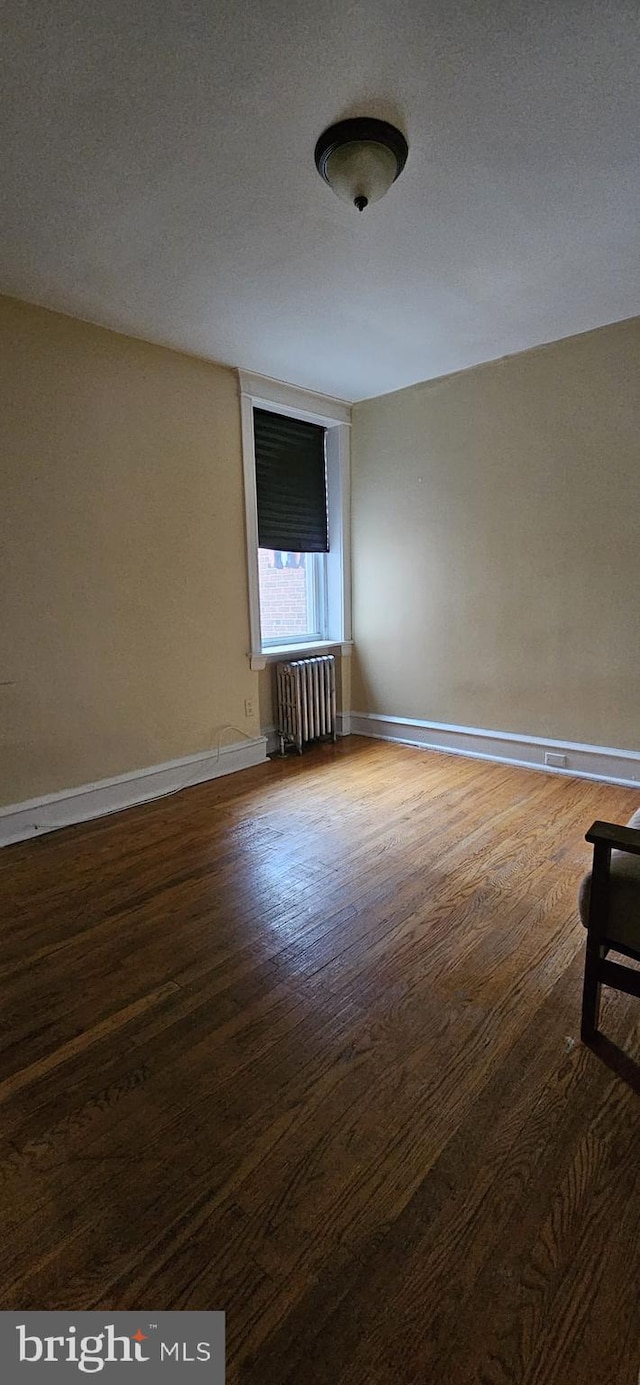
302	1044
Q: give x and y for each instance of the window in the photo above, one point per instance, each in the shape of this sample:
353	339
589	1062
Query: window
292	592
293	532
296	469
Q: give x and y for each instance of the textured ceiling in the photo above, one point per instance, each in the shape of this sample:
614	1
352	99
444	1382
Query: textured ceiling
157	176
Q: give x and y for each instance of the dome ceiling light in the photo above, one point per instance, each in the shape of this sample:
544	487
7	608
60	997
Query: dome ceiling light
360	159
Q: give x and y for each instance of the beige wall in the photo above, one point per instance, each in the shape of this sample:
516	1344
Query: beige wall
267	697
496	544
496	522
124	588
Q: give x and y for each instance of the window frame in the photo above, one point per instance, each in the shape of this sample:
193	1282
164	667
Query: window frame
335	417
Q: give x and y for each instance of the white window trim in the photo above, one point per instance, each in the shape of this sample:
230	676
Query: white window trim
256	391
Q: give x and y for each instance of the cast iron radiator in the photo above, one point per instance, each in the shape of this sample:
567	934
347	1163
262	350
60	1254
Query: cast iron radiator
306	701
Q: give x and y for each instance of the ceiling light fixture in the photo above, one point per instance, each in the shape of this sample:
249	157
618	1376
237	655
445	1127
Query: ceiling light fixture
361	158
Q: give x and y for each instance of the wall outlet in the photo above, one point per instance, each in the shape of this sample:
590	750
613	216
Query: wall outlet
248	707
555	761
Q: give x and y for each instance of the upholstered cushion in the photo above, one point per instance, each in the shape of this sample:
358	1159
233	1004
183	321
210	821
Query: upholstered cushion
623	925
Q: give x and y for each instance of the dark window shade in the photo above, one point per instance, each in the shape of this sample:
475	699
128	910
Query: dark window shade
291	484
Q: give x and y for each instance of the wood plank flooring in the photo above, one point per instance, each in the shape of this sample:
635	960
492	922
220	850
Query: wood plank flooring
303	1044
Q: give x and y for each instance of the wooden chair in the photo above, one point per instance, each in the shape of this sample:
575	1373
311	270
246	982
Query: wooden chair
609	904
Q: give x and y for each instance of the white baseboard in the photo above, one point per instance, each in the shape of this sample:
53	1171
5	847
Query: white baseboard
18	821
343	727
607	764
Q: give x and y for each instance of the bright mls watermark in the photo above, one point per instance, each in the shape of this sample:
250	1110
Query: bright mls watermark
168	1347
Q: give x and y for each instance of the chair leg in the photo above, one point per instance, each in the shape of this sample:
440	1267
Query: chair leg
591	991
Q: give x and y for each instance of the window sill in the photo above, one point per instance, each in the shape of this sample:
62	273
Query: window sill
271	655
